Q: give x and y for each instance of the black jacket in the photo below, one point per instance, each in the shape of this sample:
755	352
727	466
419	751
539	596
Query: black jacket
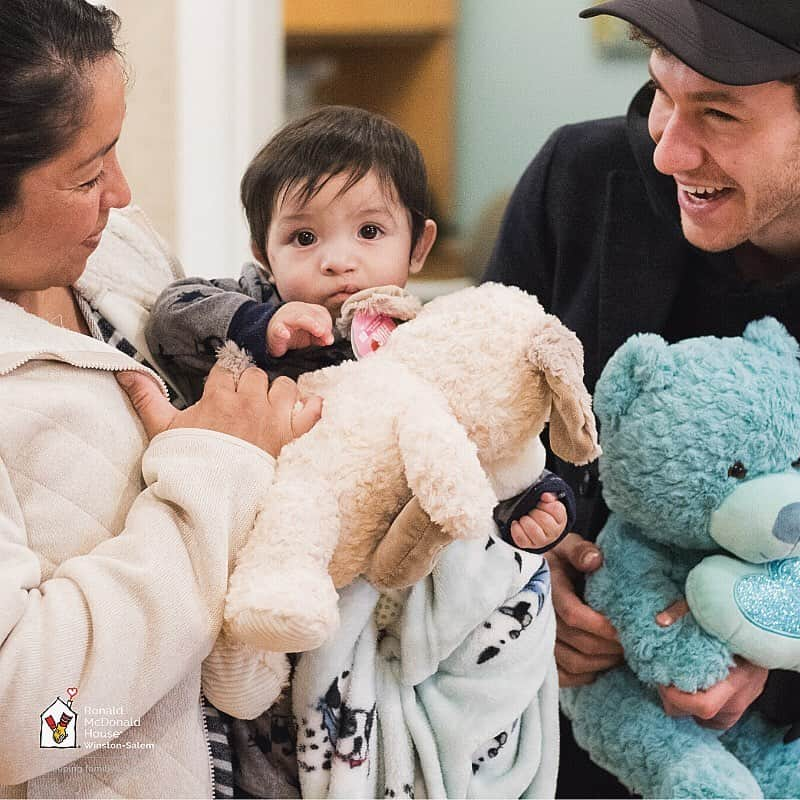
594	231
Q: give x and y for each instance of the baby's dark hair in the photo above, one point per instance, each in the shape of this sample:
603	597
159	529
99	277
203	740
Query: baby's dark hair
336	140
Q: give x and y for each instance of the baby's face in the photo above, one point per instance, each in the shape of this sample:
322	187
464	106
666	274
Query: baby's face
333	245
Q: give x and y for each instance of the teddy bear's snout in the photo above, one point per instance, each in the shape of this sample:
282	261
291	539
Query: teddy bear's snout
760	520
787	524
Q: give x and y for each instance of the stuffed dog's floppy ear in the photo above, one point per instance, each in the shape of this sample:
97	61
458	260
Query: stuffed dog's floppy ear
391	301
558	354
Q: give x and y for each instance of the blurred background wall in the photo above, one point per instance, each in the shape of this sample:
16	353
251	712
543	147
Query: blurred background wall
524	68
479	84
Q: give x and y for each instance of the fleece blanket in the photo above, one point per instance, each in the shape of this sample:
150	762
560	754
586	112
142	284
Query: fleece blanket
456	696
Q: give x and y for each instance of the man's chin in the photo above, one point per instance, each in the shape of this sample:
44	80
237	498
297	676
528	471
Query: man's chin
710	241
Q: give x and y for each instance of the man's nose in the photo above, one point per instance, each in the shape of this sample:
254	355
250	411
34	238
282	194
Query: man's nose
678	150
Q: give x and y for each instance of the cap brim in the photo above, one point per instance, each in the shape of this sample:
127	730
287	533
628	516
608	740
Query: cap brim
711	43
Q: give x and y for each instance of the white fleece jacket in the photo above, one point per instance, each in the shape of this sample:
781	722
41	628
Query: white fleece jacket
114	555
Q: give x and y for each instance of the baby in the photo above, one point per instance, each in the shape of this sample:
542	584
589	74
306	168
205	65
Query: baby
337	202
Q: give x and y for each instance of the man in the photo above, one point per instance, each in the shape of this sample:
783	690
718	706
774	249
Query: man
682	219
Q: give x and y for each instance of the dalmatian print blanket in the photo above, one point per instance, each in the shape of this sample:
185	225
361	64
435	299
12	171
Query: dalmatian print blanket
457	697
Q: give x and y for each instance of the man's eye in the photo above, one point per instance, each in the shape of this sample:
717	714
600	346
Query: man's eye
369	231
720	115
305	238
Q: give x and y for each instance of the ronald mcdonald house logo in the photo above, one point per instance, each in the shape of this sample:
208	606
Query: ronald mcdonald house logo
102	726
59	723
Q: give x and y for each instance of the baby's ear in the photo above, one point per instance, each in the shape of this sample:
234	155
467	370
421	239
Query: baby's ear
260	256
639	365
423	247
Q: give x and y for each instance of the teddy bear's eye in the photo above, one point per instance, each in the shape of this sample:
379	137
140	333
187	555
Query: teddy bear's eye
737	470
796	463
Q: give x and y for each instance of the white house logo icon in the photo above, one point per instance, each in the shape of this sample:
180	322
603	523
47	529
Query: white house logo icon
59	723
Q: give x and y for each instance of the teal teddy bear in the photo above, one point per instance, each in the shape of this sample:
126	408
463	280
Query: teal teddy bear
700	469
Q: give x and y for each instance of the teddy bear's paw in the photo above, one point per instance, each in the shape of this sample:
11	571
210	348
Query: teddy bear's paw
699	776
284	614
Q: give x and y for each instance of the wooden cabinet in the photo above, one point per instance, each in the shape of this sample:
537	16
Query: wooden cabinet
396	58
368	17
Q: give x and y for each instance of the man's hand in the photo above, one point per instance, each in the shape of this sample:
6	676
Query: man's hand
720	706
543	525
250	409
297	325
586	642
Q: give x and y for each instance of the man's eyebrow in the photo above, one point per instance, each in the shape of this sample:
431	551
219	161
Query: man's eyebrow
99	154
718	96
710	96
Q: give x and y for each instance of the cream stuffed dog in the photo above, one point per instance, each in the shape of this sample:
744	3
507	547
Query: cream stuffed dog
449	410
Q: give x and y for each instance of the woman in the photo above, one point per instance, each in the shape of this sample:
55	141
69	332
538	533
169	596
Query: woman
114	554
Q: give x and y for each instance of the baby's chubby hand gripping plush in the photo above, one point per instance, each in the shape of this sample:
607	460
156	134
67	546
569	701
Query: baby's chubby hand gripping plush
449	411
701	442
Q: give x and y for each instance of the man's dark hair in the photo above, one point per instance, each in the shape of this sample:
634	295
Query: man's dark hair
336	140
45	47
637	35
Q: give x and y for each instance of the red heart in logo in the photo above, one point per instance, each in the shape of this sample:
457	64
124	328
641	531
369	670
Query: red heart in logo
72	691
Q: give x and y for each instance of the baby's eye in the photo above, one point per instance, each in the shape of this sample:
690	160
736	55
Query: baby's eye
369	231
305	238
737	470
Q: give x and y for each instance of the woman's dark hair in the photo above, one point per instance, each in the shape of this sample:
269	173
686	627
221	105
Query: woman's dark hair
336	140
45	47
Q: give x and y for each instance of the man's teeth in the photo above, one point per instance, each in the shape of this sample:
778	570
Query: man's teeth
701	191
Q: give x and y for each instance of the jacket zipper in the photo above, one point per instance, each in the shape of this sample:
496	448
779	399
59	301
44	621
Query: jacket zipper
208	746
35	356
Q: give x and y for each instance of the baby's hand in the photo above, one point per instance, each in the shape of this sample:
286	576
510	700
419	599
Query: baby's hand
296	325
542	526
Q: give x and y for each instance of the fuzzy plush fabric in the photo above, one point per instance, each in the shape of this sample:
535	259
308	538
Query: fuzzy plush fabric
452	693
701	441
449	410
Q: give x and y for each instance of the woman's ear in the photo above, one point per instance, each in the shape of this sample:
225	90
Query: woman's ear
422	247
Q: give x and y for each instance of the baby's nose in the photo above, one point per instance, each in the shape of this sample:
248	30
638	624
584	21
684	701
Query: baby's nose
337	262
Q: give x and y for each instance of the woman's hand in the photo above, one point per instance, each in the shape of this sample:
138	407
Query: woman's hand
248	408
586	642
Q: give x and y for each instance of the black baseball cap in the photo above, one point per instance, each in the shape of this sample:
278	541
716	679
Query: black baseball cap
738	42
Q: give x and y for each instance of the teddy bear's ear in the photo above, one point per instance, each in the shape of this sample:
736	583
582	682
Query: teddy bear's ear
769	333
557	352
391	301
637	366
